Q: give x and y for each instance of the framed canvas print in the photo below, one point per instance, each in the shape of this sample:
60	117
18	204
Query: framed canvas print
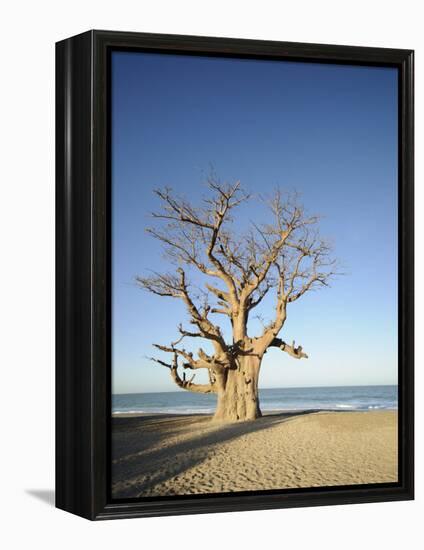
234	274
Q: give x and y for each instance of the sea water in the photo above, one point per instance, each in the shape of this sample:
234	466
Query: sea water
339	398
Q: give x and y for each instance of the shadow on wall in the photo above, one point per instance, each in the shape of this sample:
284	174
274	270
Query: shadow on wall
45	495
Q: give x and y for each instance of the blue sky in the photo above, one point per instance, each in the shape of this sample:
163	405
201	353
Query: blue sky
327	131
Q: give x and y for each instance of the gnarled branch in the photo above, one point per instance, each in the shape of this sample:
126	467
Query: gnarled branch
296	352
183	382
175	286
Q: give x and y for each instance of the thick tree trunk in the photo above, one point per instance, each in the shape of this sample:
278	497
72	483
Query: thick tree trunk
239	399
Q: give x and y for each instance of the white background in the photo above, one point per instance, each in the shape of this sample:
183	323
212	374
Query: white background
28	32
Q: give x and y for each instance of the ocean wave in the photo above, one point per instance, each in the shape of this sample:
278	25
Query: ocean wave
138	411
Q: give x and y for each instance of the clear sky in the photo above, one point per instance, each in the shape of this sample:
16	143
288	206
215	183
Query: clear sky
327	131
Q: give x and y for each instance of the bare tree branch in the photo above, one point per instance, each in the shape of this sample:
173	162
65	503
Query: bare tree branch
183	382
292	350
204	361
176	286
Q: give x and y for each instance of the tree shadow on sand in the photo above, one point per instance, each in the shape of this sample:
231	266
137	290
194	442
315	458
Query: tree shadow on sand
145	455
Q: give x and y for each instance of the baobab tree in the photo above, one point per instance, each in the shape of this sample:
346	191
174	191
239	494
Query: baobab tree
286	258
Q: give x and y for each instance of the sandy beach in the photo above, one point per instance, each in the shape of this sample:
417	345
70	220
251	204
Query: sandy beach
168	454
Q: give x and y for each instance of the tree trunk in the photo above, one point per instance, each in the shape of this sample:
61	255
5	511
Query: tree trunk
239	398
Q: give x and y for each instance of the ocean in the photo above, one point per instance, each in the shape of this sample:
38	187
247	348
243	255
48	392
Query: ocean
339	398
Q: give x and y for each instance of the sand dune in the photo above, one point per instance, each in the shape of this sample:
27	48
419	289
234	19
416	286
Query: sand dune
168	455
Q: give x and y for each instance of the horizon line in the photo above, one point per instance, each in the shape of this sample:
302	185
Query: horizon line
273	388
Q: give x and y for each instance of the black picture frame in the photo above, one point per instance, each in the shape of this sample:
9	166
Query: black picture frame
83	275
